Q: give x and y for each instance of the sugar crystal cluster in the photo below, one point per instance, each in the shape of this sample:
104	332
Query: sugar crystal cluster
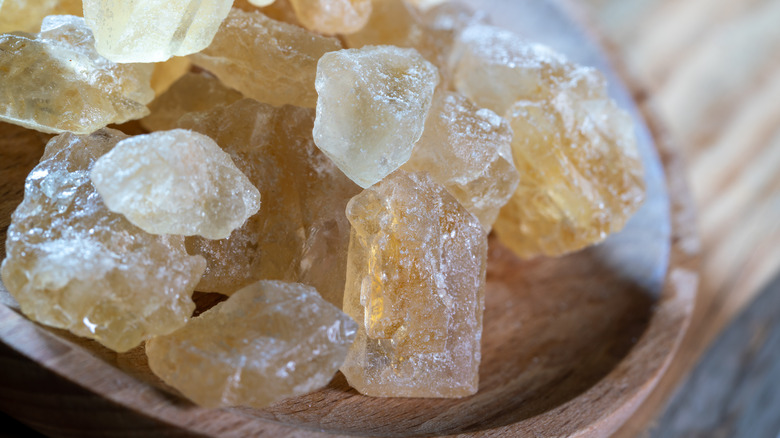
175	182
55	81
265	59
301	233
581	175
386	139
371	108
153	30
73	264
269	341
415	285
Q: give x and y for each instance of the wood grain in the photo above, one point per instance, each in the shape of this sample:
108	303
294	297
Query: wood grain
712	70
745	361
571	346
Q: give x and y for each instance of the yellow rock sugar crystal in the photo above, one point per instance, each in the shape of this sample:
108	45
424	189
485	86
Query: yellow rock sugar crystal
301	233
269	341
73	264
153	30
467	149
267	60
175	182
332	16
371	108
193	92
415	285
580	174
168	72
55	81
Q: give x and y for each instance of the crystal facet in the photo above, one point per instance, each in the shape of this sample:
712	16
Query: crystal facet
73	264
153	30
269	341
371	108
267	60
56	82
415	284
467	149
301	233
175	182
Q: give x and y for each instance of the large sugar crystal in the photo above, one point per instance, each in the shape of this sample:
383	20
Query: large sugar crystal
467	149
269	341
153	30
193	92
56	82
175	182
27	15
415	285
301	233
332	16
496	68
267	60
371	108
73	264
580	174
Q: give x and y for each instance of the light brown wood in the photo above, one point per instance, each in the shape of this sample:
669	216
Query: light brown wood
571	346
712	70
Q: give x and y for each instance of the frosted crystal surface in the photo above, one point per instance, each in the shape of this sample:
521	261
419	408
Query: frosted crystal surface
27	15
261	3
371	108
415	285
153	30
279	10
175	182
193	92
495	68
73	264
55	81
301	233
467	149
580	172
267	342
332	16
267	60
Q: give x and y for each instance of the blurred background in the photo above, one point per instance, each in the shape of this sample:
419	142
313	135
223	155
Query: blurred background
711	68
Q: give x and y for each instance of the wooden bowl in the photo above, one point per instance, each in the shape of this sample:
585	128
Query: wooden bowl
571	346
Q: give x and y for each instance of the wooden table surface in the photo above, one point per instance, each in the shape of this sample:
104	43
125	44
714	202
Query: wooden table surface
712	70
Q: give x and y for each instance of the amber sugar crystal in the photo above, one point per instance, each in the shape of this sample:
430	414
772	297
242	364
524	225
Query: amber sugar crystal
55	81
301	233
265	59
332	16
73	264
415	285
269	341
